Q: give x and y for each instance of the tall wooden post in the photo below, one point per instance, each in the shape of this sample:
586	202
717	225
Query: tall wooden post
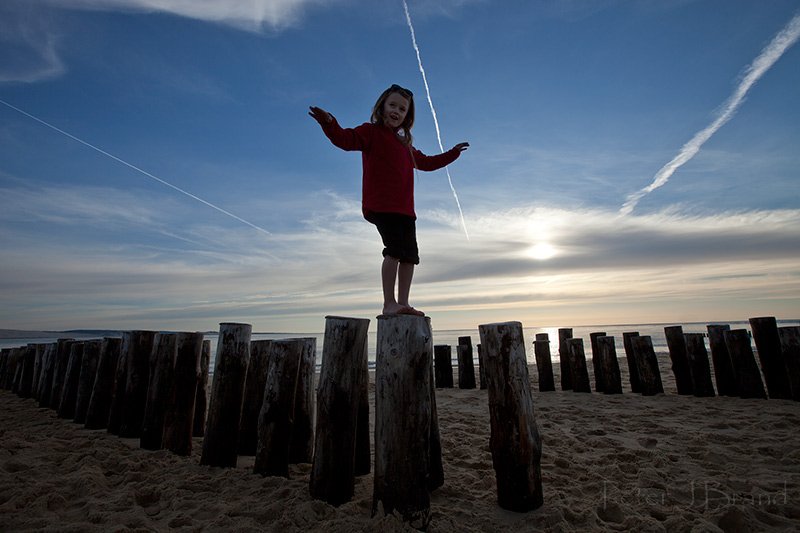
59	372
790	346
221	440
201	395
768	346
723	368
748	376
28	363
162	378
443	364
481	370
577	359
647	363
676	343
137	379
253	395
612	381
564	357
344	362
633	370
698	362
102	389
69	392
88	375
363	433
404	429
38	359
179	417
597	367
301	445
118	385
515	442
544	363
466	366
48	359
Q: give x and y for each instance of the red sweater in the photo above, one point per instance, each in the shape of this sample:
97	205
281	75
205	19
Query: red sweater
388	165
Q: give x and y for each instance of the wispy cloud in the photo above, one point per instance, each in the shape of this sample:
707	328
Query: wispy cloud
771	53
28	44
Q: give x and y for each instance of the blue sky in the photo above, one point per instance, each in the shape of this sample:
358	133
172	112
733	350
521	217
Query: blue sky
570	107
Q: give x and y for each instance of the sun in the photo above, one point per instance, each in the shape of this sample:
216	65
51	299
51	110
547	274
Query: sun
542	251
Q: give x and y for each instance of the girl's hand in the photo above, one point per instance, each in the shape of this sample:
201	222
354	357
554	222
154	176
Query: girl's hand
461	147
320	115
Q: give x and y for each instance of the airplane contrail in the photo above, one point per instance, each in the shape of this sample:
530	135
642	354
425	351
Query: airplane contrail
769	55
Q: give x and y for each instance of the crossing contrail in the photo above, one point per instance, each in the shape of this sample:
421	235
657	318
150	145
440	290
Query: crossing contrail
769	55
137	169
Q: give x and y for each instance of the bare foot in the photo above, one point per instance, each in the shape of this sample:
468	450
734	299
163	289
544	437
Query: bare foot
408	310
394	309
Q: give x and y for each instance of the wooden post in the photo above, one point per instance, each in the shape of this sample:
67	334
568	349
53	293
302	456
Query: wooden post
768	346
748	376
676	343
577	358
404	462
633	370
48	358
564	334
344	360
41	351
647	364
723	368
481	371
544	364
4	355
100	398
466	366
443	363
612	381
698	362
515	442
159	389
139	350
227	393
118	385
88	375
179	418
277	409
16	359
59	372
301	446
201	395
26	377
790	346
69	393
253	395
597	367
363	434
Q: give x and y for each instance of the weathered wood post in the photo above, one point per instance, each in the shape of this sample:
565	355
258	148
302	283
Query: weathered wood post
4	355
443	363
633	370
201	395
790	346
162	379
612	381
16	359
768	346
37	368
253	395
481	370
363	433
405	459
544	363
139	350
564	334
100	399
676	343
275	420
466	366
748	376
723	368
88	375
118	385
515	442
221	440
69	393
647	364
179	418
577	359
59	372
301	446
344	362
28	363
597	367
48	358
698	362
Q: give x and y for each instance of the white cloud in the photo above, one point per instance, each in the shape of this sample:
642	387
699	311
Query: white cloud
28	45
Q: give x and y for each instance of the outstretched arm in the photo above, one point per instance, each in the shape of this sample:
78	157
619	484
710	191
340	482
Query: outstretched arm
461	147
320	115
435	162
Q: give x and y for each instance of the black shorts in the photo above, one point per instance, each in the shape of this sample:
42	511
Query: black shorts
399	234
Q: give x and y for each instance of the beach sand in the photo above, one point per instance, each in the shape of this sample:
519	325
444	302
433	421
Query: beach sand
609	463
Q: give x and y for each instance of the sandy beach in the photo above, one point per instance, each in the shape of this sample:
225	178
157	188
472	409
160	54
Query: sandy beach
610	463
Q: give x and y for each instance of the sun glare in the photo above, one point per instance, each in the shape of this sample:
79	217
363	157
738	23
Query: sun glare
542	251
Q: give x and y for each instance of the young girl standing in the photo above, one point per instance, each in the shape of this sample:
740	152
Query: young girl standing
388	160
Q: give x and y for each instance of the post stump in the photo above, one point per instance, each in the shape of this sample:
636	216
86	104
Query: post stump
544	363
676	343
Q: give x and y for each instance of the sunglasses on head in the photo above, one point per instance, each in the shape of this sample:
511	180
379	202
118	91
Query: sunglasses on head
399	89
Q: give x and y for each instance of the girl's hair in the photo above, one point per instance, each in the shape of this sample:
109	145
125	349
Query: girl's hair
408	123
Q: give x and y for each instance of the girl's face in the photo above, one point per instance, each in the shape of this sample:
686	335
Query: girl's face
395	109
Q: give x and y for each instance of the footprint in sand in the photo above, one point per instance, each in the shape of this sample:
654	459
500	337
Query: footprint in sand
647	442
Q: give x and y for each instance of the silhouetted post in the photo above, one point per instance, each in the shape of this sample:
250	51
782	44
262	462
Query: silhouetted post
221	440
481	371
88	375
118	386
28	363
564	334
544	364
38	354
723	368
100	398
647	363
405	461
253	395
159	390
443	359
301	445
577	359
466	366
16	360
676	343
607	358
596	366
4	354
515	442
137	380
363	434
790	346
633	370
748	376
59	372
69	392
48	358
201	394
768	346
698	362
275	421
179	417
341	380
